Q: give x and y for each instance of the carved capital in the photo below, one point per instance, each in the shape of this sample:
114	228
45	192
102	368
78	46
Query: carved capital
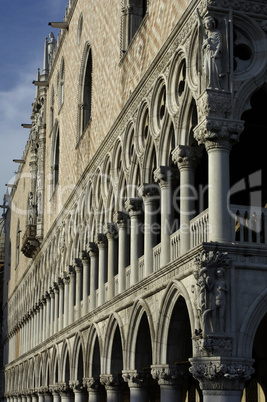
214	345
101	240
221	373
149	192
76	385
77	265
111	381
120	218
92	249
110	230
186	157
85	256
136	379
170	374
134	206
91	383
164	175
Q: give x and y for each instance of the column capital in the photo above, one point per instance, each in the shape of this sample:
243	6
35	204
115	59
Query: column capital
91	383
52	292
186	157
220	133
111	381
47	295
101	240
66	278
110	230
170	374
60	283
60	387
136	379
219	373
85	256
149	192
92	249
76	385
120	218
164	175
77	265
134	206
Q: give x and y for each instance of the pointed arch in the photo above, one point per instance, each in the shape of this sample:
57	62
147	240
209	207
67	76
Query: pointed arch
114	332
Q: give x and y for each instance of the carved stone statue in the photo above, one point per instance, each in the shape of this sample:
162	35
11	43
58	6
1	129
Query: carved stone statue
51	46
212	46
32	210
220	290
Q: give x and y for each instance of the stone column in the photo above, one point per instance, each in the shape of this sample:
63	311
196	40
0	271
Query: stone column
170	379
93	253
40	397
56	308
56	396
66	395
48	314
78	270
221	379
150	196
34	397
28	398
23	398
111	232
164	176
95	389
114	386
80	394
138	384
186	158
47	396
85	262
43	327
41	307
66	280
218	134
61	303
52	313
134	208
101	242
71	296
121	220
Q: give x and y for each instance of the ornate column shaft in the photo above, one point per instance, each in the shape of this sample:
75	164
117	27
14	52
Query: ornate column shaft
93	253
150	197
186	158
61	303
134	208
66	281
121	220
101	242
71	298
111	232
85	262
78	270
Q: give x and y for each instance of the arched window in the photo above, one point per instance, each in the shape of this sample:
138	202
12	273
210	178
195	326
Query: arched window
61	84
133	13
55	159
85	91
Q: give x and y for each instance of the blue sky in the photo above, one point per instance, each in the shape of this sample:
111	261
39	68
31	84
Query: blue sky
23	28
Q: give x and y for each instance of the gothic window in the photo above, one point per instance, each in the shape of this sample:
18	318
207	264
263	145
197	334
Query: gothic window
85	91
55	159
133	13
52	115
61	84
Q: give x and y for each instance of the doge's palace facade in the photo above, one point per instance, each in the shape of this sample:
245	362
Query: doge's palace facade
136	230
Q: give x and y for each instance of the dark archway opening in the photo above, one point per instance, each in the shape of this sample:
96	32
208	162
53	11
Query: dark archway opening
80	373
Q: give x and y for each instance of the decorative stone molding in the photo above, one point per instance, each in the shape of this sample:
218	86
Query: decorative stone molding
136	379
85	255
76	385
111	381
170	374
185	156
101	240
221	373
91	383
110	230
214	103
61	387
213	345
92	249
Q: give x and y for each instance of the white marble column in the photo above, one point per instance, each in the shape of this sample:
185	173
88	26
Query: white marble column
44	319
170	379
40	397
48	314
165	176
123	255
93	253
66	280
41	323
80	394
134	208
86	281
78	271
67	396
114	386
101	242
186	158
61	303
71	296
56	318
111	232
34	397
150	194
138	385
52	311
95	389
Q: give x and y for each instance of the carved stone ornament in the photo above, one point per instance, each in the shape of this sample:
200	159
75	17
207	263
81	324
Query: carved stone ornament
164	175
136	379
213	345
186	156
221	373
91	383
76	385
111	381
214	103
210	295
170	374
134	206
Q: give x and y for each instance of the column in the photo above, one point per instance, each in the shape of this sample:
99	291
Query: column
111	232
186	158
61	305
48	314
93	252
170	379
101	242
43	327
121	220
221	379
40	397
56	318
66	280
94	388
80	394
41	307
114	386
48	397
52	312
164	176
37	321
24	399
34	397
55	393
85	262
150	196
72	293
138	384
28	398
78	271
134	208
66	396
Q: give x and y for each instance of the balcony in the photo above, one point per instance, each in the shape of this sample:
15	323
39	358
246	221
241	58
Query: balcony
29	242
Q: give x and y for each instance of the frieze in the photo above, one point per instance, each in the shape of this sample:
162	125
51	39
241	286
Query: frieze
214	346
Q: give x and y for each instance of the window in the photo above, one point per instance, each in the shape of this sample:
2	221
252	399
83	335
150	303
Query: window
61	84
52	102
18	243
55	159
133	13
